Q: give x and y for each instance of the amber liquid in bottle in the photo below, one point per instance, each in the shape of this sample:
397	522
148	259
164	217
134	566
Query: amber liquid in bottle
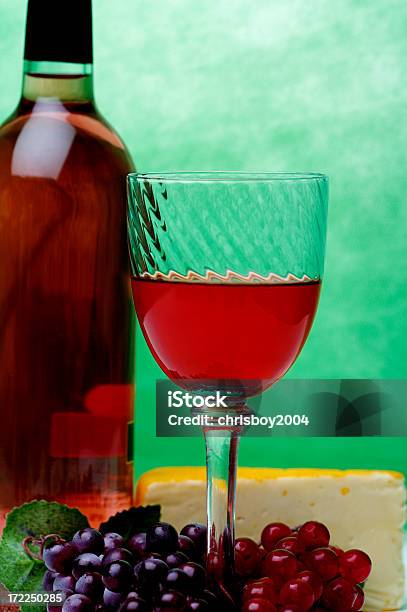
65	307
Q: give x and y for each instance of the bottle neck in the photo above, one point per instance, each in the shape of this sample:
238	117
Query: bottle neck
63	81
58	56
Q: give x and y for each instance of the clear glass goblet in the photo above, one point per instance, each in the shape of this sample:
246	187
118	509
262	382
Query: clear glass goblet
226	276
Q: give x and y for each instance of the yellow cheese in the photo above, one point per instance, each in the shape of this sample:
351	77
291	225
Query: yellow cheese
362	509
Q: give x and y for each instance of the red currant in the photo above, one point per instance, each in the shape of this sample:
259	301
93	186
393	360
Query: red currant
291	543
272	533
289	608
314	535
355	566
336	550
297	592
323	561
338	595
280	565
258	605
264	588
314	581
359	598
247	556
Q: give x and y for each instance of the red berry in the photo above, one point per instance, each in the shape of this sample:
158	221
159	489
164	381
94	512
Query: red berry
324	562
313	535
359	598
272	533
314	581
336	550
355	566
297	592
338	595
247	556
280	565
258	605
290	608
264	588
291	543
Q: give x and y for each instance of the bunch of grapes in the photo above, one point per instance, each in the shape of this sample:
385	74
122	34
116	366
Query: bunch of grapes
156	571
291	570
298	570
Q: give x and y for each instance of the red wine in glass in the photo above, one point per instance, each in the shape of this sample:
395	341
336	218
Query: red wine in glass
237	337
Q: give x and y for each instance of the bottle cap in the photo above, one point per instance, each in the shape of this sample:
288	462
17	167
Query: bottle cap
59	31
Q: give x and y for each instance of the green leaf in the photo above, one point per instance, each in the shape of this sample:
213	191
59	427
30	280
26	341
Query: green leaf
131	521
18	571
40	518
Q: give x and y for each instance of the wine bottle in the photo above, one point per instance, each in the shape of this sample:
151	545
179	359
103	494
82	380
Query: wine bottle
65	309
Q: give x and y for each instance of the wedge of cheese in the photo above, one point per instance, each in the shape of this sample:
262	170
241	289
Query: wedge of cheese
362	509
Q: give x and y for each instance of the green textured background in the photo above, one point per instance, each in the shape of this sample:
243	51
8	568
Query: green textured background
272	85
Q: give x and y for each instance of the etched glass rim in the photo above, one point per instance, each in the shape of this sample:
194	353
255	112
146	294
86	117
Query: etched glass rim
222	176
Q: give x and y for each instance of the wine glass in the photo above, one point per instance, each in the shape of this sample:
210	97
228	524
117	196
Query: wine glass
227	271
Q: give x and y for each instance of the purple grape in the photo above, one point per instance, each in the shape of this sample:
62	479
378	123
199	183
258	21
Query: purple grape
134	604
87	562
171	600
187	546
112	600
90	584
162	538
54	608
175	559
113	540
117	554
59	557
197	605
198	534
154	556
118	576
196	576
64	583
89	540
178	580
137	545
48	580
150	573
78	603
134	595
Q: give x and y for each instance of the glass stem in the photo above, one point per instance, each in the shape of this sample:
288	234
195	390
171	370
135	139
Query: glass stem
221	463
222	444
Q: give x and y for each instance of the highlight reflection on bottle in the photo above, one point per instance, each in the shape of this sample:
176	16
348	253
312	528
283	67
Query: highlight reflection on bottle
65	360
